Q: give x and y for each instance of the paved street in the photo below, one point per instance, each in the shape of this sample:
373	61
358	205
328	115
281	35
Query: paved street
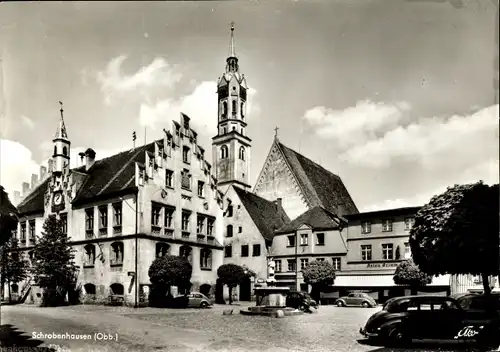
149	329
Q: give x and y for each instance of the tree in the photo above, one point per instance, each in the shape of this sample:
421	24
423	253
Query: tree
53	266
408	273
231	275
457	232
167	271
8	217
318	274
13	267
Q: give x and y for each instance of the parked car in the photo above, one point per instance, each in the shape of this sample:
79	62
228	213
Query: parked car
404	319
356	300
300	300
192	300
475	302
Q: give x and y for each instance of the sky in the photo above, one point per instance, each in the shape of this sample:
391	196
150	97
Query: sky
398	98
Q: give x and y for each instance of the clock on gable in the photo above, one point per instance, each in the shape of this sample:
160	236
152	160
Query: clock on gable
57	202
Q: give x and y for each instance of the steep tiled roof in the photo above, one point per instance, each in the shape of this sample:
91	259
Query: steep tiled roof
384	212
321	187
316	218
105	178
263	213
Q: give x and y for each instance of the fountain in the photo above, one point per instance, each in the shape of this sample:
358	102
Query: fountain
271	300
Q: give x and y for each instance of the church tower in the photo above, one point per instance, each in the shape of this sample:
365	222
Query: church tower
60	159
231	147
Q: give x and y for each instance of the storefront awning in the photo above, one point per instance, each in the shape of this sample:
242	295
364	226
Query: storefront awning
380	281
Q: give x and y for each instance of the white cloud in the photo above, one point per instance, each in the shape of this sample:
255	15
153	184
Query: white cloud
16	165
27	122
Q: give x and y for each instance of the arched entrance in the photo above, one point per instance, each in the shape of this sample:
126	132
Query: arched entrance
205	289
246	289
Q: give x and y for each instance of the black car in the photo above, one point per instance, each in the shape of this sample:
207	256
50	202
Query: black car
474	302
403	319
300	300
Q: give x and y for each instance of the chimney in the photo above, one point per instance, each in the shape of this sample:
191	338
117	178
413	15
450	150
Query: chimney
34	180
51	166
17	197
43	172
26	188
90	158
82	157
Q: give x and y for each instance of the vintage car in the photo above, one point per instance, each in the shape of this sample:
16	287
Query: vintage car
192	300
300	300
404	319
479	302
356	300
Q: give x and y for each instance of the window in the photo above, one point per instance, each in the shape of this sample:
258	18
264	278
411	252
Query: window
103	217
65	151
303	263
304	239
228	251
240	229
234	107
366	252
387	225
241	154
89	255
229	211
223	150
366	227
117	214
210	226
256	250
185	221
320	239
116	289
186	252
89	289
117	253
89	219
23	231
336	263
407	249
169	146
223	130
277	267
291	265
200	222
169	178
162	249
185	180
229	232
291	241
387	251
32	224
224	108
185	155
244	250
242	111
201	189
409	222
169	215
155	215
64	223
206	259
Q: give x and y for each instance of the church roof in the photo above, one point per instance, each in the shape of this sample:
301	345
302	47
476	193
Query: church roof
317	218
320	186
264	213
107	177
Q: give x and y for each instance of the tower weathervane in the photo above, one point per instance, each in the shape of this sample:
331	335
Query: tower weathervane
61	103
232	51
276	132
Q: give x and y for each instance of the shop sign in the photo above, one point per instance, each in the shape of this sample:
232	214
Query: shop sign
382	265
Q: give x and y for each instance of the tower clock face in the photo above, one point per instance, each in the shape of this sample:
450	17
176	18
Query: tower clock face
57	198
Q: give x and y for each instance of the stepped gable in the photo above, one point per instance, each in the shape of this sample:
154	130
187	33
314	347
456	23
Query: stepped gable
317	218
321	187
264	213
107	177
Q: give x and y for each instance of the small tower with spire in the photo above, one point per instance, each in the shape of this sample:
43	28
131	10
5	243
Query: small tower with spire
61	155
231	146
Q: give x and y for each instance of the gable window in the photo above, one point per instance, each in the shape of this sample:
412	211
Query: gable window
169	146
223	150
185	180
304	239
89	219
242	153
23	231
277	267
292	264
320	239
387	225
229	211
387	251
256	250
336	263
206	259
366	252
89	259
291	241
210	226
186	155
185	221
162	249
186	252
169	178
201	189
228	251
244	250
103	217
229	231
409	222
116	253
200	222
117	214
366	227
303	263
64	223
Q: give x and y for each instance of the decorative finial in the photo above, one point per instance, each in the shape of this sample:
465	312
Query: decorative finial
232	52
61	103
276	132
